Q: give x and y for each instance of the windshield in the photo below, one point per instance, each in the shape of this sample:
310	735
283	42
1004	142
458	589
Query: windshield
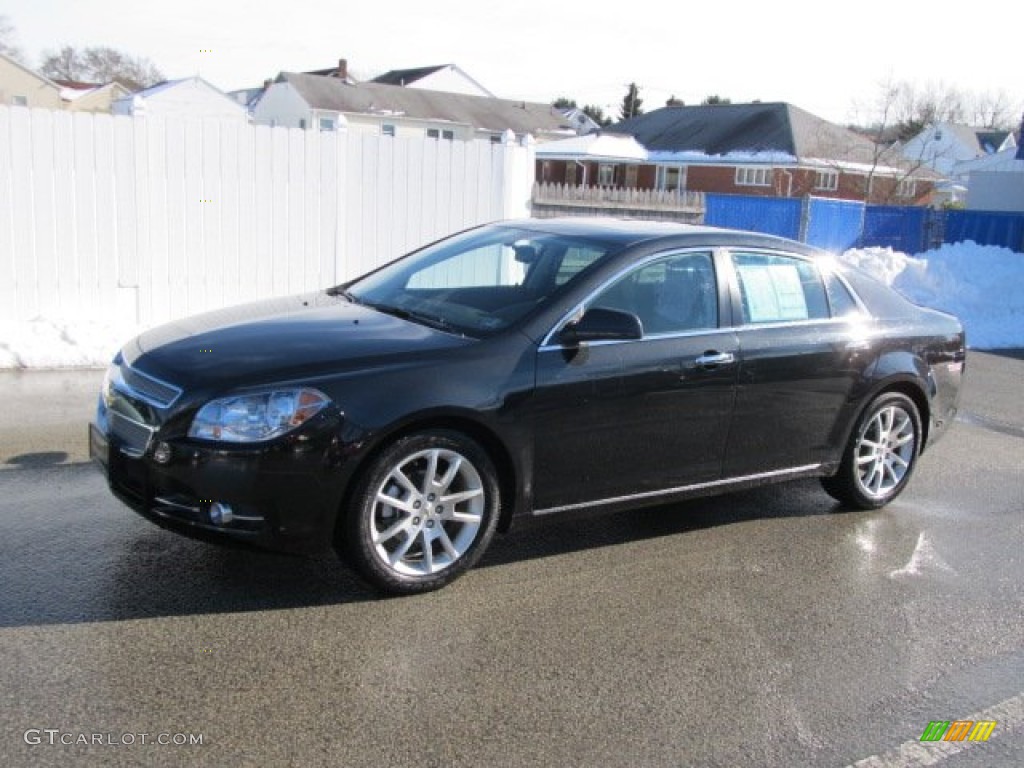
478	282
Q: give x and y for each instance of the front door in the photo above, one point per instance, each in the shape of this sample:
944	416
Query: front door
619	419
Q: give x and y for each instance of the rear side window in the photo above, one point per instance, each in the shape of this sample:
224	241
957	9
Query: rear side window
779	289
839	297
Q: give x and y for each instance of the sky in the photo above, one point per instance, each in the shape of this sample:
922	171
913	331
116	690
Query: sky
827	58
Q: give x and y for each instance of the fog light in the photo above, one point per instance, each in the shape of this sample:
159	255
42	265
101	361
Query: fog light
162	453
220	514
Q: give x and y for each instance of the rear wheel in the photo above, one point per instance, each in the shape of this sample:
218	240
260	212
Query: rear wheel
881	454
424	512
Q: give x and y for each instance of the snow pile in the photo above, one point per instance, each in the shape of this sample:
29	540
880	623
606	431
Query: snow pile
43	343
982	285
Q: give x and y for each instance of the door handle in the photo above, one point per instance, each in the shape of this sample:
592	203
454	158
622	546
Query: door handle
712	359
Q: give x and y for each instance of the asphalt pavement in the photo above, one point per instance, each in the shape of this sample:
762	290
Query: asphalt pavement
765	628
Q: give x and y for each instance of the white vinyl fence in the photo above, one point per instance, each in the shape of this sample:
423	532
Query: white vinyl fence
143	220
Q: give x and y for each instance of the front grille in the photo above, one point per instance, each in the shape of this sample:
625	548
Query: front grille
133	437
159	393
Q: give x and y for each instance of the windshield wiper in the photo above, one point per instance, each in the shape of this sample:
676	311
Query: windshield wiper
345	294
417	317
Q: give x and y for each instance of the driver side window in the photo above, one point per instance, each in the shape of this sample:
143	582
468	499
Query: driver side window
670	295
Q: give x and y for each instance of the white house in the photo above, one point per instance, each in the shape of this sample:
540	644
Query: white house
943	146
316	102
23	87
996	183
191	96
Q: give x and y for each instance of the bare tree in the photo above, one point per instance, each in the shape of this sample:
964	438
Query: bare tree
994	110
100	64
9	40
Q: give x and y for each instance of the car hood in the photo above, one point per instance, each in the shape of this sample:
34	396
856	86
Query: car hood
280	339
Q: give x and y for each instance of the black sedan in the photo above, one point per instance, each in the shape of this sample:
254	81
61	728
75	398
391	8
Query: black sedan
524	368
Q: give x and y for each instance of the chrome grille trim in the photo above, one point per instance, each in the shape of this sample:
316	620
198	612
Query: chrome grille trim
134	438
149	388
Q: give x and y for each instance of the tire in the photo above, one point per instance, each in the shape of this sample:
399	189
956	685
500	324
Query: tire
881	455
423	513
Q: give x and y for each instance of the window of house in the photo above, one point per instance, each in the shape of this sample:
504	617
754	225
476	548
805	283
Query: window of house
327	124
606	175
19	101
826	180
671	178
387	130
302	123
778	289
753	176
495	138
433	133
448	135
907	188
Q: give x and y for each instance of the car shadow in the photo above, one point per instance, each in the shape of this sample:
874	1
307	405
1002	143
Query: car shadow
39	459
564	535
126	568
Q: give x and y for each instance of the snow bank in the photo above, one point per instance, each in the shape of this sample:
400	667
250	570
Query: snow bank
982	285
44	343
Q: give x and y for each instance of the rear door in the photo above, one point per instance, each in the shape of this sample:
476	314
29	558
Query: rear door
799	358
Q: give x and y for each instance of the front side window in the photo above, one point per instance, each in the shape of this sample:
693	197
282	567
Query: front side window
327	124
605	175
779	289
670	295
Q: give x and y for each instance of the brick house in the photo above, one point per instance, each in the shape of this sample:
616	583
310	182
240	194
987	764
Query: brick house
771	149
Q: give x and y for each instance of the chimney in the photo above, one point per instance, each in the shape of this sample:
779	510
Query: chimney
342	69
1020	140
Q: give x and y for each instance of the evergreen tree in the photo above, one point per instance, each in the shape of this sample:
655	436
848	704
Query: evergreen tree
632	104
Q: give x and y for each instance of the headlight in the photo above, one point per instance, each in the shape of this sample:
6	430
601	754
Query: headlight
258	416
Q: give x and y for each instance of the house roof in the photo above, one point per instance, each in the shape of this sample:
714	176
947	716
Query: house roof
406	76
983	141
775	131
595	146
480	112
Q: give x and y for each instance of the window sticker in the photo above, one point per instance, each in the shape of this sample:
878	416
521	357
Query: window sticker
774	292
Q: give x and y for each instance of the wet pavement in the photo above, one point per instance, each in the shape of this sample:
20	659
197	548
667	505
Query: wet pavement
763	628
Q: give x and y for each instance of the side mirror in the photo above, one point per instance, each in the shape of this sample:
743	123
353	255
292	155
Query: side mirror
601	324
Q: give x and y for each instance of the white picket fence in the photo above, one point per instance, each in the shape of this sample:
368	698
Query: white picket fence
143	220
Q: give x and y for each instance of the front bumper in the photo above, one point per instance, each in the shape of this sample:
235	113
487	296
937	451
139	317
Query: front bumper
284	496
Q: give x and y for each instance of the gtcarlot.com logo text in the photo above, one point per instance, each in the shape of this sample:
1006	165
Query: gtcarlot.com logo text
55	736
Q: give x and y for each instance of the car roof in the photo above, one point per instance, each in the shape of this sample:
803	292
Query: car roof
626	232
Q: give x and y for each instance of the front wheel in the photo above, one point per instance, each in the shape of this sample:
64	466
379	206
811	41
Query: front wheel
424	512
881	454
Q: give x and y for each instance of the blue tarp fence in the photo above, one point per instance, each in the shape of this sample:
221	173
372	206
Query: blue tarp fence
986	228
768	215
840	224
834	225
